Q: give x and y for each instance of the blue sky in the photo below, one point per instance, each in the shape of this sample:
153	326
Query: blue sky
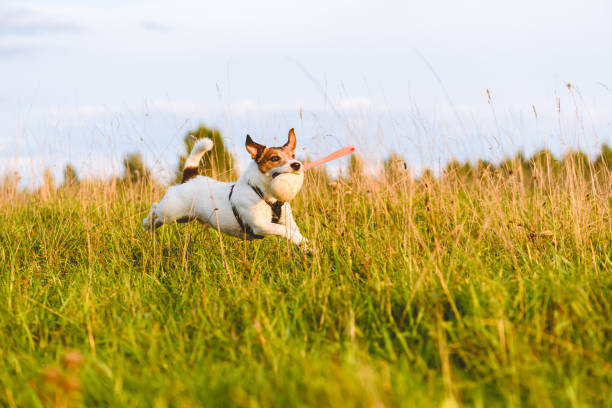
87	81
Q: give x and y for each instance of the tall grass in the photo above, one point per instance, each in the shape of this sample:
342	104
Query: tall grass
485	286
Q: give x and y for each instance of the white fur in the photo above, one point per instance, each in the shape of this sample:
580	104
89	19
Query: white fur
207	200
199	148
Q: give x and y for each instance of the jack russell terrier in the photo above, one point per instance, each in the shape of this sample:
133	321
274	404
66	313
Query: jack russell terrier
246	208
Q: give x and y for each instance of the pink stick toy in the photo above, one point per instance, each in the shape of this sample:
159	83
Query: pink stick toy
335	155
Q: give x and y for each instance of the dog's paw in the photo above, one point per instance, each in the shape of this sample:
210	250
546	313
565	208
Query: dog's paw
148	224
306	248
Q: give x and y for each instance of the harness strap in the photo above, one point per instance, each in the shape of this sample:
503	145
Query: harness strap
246	228
276	211
276	207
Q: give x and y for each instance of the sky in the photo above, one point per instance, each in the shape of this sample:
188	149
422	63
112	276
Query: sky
88	81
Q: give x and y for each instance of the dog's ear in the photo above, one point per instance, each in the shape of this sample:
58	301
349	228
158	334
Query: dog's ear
291	142
254	149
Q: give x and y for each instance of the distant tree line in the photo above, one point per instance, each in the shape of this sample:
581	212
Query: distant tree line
542	160
220	164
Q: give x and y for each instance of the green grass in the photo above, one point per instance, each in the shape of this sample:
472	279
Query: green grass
487	289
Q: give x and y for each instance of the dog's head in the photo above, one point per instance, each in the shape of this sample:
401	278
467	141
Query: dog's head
273	161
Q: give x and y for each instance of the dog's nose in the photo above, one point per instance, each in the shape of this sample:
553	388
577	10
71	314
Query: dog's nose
296	166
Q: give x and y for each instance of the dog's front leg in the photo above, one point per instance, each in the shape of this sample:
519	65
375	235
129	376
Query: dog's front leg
286	217
287	220
292	234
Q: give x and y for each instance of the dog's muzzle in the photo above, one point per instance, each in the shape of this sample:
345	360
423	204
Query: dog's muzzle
295	166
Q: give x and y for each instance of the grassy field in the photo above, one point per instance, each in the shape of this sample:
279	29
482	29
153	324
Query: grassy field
481	287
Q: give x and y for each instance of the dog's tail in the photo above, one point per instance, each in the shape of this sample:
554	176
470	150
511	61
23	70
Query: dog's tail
193	161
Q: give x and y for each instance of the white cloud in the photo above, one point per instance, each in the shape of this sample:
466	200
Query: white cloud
155	26
67	113
23	22
188	109
361	104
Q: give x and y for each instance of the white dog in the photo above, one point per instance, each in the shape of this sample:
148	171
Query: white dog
245	209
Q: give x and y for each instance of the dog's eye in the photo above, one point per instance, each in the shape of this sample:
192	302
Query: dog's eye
274	158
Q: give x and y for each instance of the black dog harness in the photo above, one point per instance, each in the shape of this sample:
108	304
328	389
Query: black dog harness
246	228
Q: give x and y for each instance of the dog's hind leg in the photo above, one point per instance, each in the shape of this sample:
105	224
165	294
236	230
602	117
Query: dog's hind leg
152	221
172	208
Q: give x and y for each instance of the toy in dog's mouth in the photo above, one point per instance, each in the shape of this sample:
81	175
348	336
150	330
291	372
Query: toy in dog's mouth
286	185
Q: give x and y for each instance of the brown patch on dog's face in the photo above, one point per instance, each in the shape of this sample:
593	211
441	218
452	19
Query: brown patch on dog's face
268	158
273	157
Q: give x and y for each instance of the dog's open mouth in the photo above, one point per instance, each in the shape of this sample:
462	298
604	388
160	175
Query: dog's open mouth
274	175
